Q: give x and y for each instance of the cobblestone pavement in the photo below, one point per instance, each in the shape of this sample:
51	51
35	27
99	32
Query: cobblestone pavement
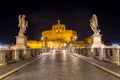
60	66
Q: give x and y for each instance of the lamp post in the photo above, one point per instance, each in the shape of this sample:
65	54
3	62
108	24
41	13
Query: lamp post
46	46
46	42
75	38
42	41
51	45
65	44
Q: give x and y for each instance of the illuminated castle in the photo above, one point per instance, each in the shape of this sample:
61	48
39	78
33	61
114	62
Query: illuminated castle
58	37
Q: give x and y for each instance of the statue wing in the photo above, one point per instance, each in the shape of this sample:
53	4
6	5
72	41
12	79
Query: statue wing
96	21
19	19
26	23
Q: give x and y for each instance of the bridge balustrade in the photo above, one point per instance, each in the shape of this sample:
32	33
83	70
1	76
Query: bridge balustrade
112	55
9	56
109	54
13	55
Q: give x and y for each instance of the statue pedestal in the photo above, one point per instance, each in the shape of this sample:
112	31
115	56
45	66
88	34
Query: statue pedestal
96	41
20	42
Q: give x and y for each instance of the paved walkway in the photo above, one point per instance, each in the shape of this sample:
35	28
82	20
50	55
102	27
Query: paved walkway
13	67
106	66
60	66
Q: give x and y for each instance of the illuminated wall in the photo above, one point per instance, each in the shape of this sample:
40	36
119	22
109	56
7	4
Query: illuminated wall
59	35
34	44
55	37
59	32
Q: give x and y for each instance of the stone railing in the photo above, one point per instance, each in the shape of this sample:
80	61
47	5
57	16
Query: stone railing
109	54
13	55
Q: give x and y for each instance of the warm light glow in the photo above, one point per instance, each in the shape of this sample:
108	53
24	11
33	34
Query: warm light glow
75	37
51	45
41	38
64	44
50	42
57	38
35	44
64	51
59	35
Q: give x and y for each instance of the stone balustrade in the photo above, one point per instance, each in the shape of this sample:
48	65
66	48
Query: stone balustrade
109	54
13	55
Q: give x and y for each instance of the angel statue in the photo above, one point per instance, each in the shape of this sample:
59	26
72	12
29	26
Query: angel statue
94	24
22	24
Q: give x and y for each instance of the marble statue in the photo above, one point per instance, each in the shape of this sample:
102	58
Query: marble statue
94	24
22	24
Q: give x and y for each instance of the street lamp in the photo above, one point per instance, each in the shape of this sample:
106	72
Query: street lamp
75	37
41	38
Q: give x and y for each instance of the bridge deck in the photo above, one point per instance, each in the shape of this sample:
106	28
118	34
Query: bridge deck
60	66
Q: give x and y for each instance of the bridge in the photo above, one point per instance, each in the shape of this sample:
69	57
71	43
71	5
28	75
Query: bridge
34	64
95	61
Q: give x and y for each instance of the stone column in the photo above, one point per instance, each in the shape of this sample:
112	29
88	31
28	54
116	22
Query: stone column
101	54
118	55
16	55
91	52
104	53
2	58
27	53
115	56
88	52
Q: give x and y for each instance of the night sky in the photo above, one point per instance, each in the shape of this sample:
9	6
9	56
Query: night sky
74	14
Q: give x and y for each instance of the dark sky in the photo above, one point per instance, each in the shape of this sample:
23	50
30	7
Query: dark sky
74	14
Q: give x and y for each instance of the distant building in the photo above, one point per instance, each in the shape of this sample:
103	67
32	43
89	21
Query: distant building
59	37
55	38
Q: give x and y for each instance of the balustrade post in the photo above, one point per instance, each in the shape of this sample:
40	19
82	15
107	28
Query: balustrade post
2	58
27	53
16	55
88	52
101	54
115	56
118	55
